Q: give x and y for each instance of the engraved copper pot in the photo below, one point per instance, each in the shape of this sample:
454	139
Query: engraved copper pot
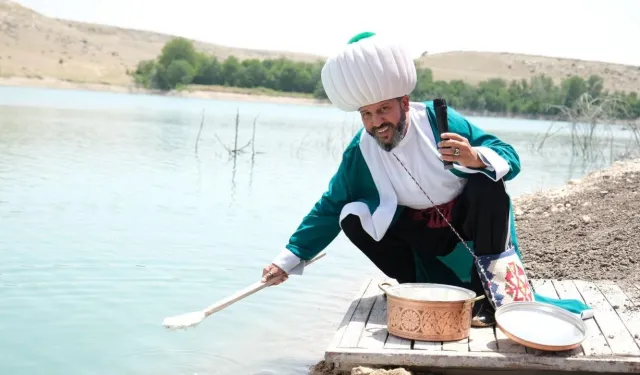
429	312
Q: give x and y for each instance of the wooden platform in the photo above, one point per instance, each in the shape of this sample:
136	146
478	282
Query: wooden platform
613	344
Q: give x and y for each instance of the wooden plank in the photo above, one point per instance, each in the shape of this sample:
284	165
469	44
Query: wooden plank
482	339
391	341
337	337
506	345
482	360
544	287
614	330
427	345
375	331
632	292
627	311
595	343
360	315
456	346
398	343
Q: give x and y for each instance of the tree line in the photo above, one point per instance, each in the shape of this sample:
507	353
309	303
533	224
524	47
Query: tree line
179	64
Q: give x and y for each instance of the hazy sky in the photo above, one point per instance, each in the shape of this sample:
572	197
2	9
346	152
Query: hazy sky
606	30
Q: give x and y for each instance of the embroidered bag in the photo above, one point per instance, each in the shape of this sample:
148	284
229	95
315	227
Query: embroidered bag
504	278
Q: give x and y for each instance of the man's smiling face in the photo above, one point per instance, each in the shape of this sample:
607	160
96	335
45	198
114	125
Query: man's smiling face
386	121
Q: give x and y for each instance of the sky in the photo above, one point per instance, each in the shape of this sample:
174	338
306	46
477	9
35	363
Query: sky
603	30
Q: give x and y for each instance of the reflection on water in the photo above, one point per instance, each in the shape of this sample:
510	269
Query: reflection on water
111	222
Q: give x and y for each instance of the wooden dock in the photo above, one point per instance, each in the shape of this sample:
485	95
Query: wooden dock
613	343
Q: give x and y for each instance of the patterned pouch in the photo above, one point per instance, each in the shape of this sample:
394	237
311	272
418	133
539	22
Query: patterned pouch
504	278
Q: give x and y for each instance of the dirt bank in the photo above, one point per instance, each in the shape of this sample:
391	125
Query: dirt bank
588	229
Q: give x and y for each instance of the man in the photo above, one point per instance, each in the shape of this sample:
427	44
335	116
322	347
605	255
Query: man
391	176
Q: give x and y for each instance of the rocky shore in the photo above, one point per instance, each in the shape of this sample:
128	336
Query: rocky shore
588	229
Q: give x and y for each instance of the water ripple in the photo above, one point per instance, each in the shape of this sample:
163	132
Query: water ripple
184	362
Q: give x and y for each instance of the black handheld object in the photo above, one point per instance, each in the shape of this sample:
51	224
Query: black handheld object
440	107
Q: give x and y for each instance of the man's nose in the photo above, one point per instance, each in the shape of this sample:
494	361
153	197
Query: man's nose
378	120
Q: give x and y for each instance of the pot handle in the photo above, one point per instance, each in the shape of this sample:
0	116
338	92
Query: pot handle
381	286
478	298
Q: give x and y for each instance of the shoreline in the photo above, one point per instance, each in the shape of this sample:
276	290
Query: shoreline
52	83
225	94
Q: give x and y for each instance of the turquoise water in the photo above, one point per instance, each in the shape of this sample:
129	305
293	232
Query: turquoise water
110	222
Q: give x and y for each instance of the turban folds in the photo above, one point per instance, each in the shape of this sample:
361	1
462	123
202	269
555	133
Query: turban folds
368	70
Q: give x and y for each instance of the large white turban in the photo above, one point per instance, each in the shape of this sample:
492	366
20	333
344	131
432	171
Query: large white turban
368	70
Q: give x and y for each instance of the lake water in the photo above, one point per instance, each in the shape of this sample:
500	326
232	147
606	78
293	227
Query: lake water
110	222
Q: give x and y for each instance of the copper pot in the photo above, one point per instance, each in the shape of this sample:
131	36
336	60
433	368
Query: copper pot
429	312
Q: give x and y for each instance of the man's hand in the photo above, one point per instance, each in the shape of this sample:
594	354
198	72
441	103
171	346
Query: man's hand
467	156
274	272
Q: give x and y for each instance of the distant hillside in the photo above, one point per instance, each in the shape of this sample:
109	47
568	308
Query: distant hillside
474	67
33	45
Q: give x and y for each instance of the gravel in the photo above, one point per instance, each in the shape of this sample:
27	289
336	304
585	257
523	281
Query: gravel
588	229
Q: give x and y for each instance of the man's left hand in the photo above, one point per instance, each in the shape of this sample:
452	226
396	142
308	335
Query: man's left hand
465	155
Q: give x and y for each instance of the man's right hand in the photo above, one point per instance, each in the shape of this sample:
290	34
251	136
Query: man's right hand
274	272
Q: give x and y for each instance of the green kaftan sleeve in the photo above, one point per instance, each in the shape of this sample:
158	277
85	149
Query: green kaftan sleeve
321	225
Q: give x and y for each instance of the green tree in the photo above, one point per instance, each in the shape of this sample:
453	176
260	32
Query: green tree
595	86
178	49
232	71
495	94
180	64
145	72
319	92
209	72
255	74
573	88
179	72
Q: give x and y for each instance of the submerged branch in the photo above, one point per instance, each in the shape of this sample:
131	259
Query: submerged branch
239	150
591	126
200	131
223	145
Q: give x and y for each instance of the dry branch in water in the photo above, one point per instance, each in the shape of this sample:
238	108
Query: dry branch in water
235	150
253	138
589	116
200	131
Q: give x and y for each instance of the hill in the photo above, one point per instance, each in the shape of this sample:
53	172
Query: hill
35	46
474	67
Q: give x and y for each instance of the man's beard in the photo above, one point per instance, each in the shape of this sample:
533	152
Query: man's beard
397	130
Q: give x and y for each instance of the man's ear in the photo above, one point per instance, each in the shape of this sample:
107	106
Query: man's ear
404	103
